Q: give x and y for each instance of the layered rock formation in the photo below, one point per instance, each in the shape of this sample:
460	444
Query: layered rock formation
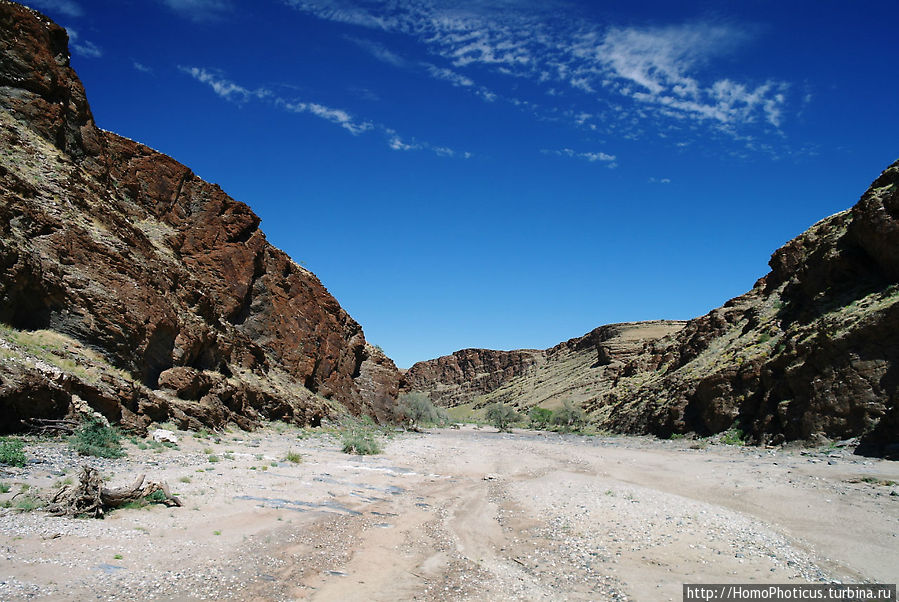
575	370
157	283
811	351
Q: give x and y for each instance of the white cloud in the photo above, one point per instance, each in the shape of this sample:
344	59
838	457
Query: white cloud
591	157
84	48
337	116
660	70
141	67
235	92
396	143
200	10
224	87
449	75
385	55
380	52
63	7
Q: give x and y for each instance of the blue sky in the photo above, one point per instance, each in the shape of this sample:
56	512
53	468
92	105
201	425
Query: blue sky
508	174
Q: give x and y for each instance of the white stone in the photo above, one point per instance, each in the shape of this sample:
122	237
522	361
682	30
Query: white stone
161	435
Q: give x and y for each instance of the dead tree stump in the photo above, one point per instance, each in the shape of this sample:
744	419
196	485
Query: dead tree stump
88	497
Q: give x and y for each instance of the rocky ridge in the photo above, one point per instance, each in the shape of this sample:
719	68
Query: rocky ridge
128	282
571	371
811	352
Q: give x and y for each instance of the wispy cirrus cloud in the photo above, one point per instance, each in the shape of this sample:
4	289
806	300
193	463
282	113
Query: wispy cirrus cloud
398	144
653	73
380	52
591	157
226	88
336	116
456	79
201	10
385	55
68	8
234	92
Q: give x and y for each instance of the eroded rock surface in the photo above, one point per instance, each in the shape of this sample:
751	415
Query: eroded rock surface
120	248
811	352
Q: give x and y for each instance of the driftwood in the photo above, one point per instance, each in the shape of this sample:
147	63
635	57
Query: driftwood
88	497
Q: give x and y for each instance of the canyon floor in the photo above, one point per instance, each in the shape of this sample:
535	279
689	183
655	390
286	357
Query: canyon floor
455	514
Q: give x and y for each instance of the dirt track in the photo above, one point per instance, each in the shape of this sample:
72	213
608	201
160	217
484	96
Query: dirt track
462	514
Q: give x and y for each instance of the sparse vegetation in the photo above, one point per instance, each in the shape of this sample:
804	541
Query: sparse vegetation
12	451
417	409
4	487
734	435
502	416
569	417
876	481
540	417
28	503
94	438
359	435
361	443
294	457
213	458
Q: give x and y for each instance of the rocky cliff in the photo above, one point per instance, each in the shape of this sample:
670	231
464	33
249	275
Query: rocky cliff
129	283
575	370
811	351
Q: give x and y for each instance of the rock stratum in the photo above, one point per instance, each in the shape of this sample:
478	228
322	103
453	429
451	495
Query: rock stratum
575	370
131	286
811	351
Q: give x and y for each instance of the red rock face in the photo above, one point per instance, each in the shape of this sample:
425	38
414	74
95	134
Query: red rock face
462	376
125	249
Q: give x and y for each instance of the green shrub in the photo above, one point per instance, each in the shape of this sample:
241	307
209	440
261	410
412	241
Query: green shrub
156	496
93	438
502	416
11	452
4	487
294	457
734	435
569	418
213	458
540	417
361	443
417	408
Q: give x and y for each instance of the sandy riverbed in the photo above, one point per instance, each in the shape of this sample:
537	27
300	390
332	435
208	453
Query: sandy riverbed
465	514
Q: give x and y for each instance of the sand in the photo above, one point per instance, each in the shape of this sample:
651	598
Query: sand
455	514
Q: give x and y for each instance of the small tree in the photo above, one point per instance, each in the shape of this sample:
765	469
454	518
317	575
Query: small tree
502	416
540	417
416	407
569	417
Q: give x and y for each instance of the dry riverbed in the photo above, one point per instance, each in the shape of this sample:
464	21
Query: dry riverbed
466	514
